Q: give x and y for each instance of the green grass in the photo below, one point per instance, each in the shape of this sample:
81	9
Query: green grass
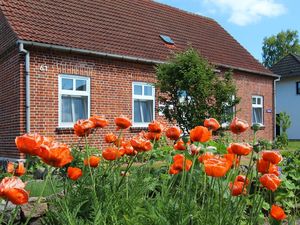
35	188
294	145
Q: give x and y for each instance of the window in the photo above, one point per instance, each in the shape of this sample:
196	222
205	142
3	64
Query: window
257	109
298	88
167	39
229	113
74	99
143	104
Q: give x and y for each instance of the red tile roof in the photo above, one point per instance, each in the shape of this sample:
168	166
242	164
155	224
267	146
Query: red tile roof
125	27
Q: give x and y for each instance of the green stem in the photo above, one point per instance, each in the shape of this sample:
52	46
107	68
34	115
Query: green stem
39	198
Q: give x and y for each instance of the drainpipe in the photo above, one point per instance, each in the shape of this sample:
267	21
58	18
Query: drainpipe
275	108
27	85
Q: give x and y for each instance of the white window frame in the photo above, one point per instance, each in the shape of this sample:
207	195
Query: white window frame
142	97
261	106
72	93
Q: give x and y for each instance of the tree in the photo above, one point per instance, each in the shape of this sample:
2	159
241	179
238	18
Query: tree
191	90
277	46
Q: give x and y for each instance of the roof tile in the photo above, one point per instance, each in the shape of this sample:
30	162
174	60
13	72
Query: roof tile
125	27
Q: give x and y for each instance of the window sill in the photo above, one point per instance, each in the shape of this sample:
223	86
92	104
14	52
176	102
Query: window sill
64	130
262	127
138	129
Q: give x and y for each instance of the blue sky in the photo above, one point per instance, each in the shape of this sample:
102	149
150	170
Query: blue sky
248	21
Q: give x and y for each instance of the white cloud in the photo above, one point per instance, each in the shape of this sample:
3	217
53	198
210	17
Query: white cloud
244	12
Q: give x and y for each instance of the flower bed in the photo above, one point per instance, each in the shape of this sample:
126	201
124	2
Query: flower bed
193	182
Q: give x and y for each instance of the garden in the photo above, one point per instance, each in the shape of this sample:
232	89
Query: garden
156	177
198	171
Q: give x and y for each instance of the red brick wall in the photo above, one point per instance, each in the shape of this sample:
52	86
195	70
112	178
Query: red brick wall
248	85
111	91
10	92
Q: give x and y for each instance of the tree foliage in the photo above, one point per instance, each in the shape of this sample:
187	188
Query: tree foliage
191	90
277	46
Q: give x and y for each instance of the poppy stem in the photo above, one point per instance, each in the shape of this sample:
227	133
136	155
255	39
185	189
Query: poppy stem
126	170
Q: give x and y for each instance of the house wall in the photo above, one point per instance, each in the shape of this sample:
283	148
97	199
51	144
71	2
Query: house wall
10	99
249	85
111	92
10	91
288	101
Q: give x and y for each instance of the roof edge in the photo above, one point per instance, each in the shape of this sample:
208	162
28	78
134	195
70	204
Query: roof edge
247	70
125	57
89	52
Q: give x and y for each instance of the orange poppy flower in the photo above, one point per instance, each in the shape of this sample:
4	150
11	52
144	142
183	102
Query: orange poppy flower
155	127
57	155
173	133
13	189
216	167
194	150
239	186
110	138
152	136
229	150
99	121
140	144
180	145
277	213
111	153
29	143
122	122
205	156
238	126
74	173
20	170
83	128
92	161
212	124
270	181
200	134
179	163
273	157
241	148
128	149
10	168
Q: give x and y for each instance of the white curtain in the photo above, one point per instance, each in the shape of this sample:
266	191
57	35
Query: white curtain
143	111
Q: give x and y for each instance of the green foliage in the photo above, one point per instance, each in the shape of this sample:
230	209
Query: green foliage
289	191
284	122
277	46
191	91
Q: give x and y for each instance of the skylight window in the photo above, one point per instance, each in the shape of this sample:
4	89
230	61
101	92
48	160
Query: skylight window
167	39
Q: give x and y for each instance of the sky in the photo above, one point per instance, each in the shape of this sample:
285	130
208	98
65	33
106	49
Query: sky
248	21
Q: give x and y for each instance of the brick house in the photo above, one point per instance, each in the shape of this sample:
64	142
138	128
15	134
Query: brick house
64	60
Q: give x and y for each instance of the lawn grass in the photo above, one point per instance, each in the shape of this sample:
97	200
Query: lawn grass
35	188
294	145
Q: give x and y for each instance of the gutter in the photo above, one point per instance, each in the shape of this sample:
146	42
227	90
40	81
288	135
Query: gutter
275	105
27	84
247	70
88	52
123	57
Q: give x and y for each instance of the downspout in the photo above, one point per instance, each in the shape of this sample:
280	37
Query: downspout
27	84
275	108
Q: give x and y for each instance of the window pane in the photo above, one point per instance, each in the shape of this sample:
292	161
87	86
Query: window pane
80	108
66	109
137	89
147	108
257	115
253	100
67	84
148	90
137	111
80	85
259	101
